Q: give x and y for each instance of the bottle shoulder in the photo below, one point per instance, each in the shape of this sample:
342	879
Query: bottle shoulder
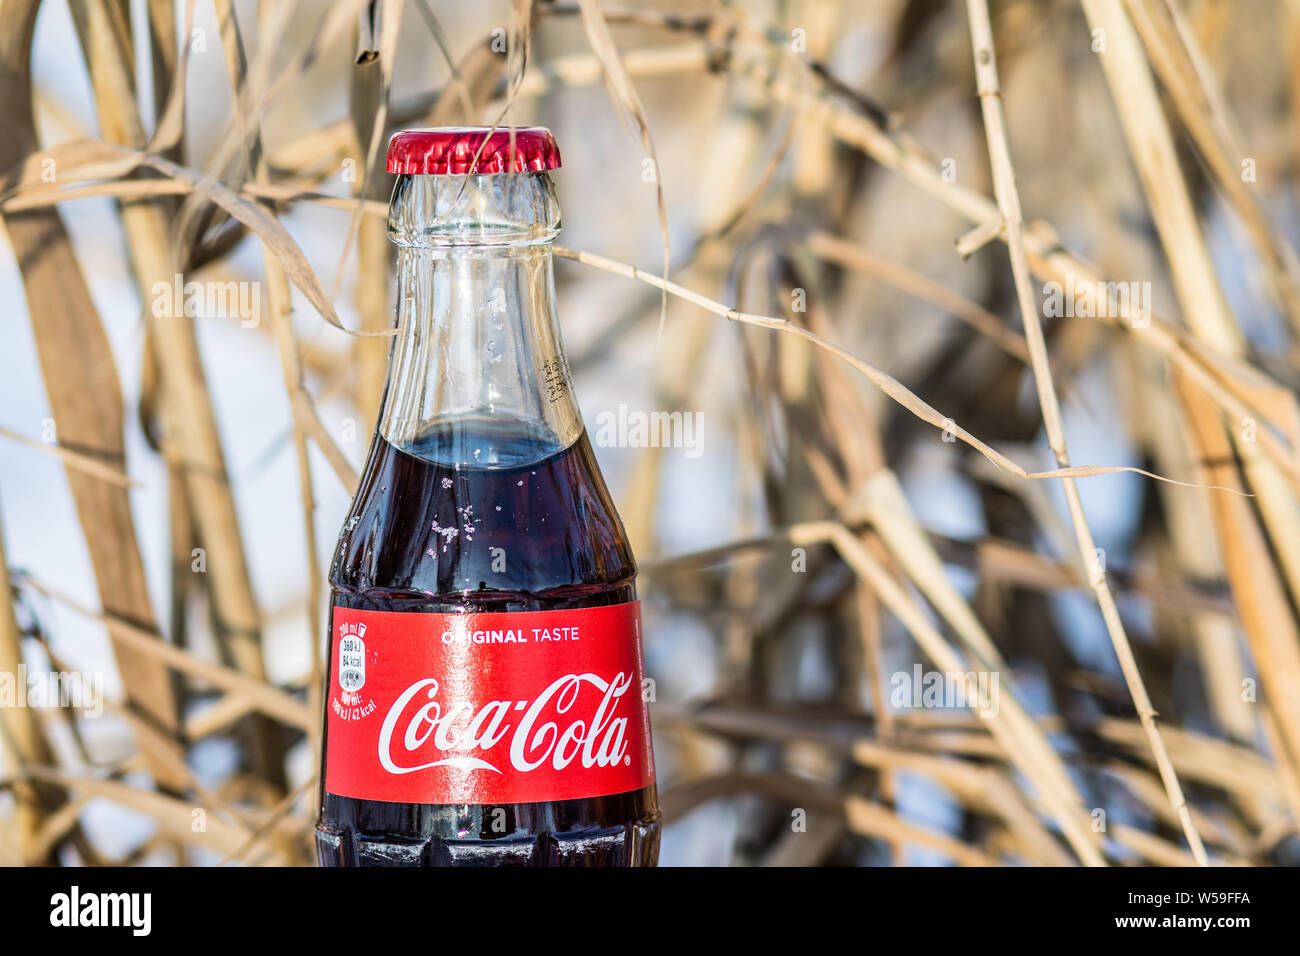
544	530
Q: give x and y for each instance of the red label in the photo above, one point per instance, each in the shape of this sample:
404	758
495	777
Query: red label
487	708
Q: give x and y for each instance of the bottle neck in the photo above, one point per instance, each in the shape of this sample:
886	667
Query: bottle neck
477	373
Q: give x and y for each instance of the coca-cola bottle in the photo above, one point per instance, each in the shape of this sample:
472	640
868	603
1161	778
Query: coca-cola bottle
483	701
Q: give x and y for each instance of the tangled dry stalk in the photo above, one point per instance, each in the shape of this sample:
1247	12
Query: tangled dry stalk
1158	748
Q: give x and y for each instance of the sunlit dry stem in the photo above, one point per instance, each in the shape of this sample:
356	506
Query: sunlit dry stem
390	27
301	405
1260	575
1047	257
1007	725
22	741
269	700
74	459
273	818
885	382
894	151
880	500
850	256
623	93
891	149
173	815
1172	51
1004	181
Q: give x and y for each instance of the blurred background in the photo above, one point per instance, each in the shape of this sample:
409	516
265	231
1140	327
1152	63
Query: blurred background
850	531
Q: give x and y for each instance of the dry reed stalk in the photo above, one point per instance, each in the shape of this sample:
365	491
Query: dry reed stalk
1004	562
165	57
481	75
1207	313
1208	761
1146	787
854	431
1194	277
481	71
809	848
260	88
1155	850
871	819
623	94
208	800
861	815
997	561
390	13
682	354
852	427
175	817
881	501
1286	771
1048	259
1067	472
190	415
986	76
371	292
886	383
984	789
217	717
61	825
277	814
72	458
846	254
81	382
1261	600
738	643
1290	49
260	695
684	357
278	300
1203	759
22	741
1046	256
1187	517
183	536
831	459
1010	726
33	196
873	657
104	37
1172	51
459	88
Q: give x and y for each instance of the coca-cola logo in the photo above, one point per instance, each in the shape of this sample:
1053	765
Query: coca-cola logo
416	727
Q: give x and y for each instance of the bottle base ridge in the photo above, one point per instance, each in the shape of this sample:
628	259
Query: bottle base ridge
633	844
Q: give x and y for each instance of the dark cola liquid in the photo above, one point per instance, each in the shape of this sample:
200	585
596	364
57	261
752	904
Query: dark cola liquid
549	510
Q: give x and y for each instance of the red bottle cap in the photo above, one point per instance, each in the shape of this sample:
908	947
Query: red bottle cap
450	150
